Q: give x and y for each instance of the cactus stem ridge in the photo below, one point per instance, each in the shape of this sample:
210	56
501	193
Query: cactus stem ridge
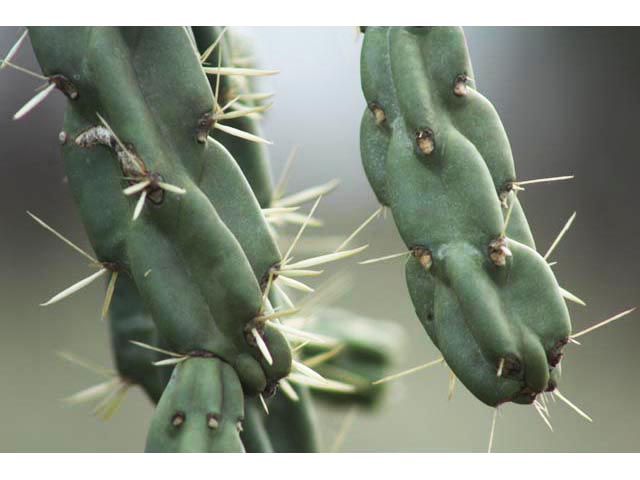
560	235
409	371
288	390
571	405
386	257
368	220
603	323
75	287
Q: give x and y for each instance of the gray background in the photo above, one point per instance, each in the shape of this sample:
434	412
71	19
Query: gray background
569	100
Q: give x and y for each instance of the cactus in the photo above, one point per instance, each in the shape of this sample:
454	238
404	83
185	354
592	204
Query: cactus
366	350
436	154
201	410
176	227
167	165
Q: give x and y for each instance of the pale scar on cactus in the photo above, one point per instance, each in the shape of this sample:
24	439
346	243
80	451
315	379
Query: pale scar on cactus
435	152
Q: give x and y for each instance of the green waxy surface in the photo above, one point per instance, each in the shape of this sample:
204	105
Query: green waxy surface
201	410
293	426
442	162
197	259
128	320
370	348
252	157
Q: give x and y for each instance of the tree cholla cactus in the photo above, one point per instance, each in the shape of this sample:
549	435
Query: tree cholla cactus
170	172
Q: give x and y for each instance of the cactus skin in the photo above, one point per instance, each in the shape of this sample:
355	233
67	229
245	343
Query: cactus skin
293	426
252	157
441	172
149	86
201	410
370	349
128	321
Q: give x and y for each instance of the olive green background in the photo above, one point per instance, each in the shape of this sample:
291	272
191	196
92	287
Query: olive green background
570	102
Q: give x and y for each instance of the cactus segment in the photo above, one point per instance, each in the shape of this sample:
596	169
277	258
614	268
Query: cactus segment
128	320
366	350
435	152
201	410
252	157
202	290
293	425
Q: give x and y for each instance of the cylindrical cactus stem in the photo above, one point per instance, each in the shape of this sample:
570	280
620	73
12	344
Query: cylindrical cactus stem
129	321
175	213
252	156
365	350
201	410
442	174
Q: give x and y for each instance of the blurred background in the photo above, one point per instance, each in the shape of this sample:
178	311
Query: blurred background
569	100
